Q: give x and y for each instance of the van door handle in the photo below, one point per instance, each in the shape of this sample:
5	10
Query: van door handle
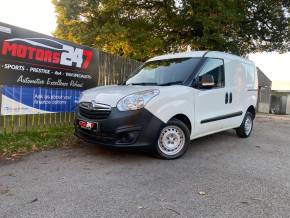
231	98
227	98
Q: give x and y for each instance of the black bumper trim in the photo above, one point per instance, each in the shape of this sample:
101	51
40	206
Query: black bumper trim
140	127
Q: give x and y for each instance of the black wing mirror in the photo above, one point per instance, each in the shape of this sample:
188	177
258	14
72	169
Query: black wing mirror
206	81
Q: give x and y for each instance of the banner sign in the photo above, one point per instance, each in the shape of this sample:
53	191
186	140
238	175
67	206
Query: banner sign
28	58
34	100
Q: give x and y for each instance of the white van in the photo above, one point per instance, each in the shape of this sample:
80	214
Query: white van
170	100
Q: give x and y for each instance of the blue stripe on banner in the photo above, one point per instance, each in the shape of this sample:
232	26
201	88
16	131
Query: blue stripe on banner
46	99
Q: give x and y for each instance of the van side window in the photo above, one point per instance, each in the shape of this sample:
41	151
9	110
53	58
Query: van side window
213	69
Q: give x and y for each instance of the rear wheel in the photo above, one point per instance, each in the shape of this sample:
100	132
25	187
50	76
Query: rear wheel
173	140
245	130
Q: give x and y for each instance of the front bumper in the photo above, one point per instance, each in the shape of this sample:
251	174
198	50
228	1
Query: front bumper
122	129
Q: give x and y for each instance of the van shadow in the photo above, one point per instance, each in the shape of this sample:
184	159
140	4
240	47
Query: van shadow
210	142
213	142
112	152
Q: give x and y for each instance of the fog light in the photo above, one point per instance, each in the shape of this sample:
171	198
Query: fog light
127	138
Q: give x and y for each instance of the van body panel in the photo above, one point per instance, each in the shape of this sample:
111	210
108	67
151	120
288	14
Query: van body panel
235	84
174	100
210	104
110	95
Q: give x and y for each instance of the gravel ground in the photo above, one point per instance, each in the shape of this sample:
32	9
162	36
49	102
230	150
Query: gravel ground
220	176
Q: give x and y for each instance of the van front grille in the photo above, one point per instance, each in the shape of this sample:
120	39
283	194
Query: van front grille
94	111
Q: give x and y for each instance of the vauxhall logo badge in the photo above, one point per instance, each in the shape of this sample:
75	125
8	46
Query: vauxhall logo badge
93	105
97	106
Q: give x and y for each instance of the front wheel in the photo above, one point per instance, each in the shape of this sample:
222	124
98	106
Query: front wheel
245	130
173	140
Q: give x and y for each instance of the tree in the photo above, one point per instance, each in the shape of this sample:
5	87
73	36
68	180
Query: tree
143	28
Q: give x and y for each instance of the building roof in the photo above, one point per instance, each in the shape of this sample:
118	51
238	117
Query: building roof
263	80
282	91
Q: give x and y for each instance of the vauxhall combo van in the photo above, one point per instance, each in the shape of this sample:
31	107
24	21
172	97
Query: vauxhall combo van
171	100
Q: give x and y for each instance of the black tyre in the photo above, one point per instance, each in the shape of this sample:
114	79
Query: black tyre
245	130
173	140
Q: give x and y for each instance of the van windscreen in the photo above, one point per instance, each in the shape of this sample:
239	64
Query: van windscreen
164	72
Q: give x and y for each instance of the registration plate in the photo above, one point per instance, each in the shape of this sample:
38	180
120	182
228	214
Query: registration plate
88	125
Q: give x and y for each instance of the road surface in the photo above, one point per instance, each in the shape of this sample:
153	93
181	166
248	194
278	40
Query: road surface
219	176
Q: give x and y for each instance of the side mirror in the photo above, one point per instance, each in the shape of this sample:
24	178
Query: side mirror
207	81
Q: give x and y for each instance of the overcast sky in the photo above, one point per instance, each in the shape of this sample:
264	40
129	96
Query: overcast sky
38	15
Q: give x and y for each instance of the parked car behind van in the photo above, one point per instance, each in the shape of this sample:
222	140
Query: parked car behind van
171	100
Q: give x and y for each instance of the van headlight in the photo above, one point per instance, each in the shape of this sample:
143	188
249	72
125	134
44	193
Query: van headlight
137	100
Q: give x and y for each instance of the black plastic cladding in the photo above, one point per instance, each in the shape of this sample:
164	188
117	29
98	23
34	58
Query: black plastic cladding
122	122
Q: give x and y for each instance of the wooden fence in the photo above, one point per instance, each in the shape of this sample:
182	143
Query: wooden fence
112	70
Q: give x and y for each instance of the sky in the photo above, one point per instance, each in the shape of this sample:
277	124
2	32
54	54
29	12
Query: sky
39	16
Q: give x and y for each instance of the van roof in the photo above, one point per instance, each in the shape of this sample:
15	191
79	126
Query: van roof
212	54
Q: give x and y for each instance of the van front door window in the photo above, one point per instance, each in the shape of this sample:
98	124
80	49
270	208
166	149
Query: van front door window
214	69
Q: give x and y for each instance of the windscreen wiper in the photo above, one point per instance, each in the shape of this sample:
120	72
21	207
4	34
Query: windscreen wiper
171	83
143	84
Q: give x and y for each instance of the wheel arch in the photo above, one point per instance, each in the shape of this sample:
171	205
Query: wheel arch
252	110
183	118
